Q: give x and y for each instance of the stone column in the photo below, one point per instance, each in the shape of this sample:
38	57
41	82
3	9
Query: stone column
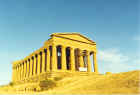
38	63
72	59
16	75
48	59
31	64
54	58
25	69
63	58
88	62
81	59
43	61
95	63
34	65
17	72
21	71
28	68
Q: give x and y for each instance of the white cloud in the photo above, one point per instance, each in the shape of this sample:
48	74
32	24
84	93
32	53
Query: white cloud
112	60
112	55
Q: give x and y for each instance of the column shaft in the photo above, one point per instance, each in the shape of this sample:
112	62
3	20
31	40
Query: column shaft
31	64
39	63
88	62
95	63
72	59
48	59
28	68
43	61
63	58
81	59
34	66
54	58
17	73
21	72
25	69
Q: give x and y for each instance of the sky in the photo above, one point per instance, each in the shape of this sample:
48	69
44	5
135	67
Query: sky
113	24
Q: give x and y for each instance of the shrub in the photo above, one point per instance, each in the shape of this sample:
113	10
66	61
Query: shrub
57	78
11	83
47	84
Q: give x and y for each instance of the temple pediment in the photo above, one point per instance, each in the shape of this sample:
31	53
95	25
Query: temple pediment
73	36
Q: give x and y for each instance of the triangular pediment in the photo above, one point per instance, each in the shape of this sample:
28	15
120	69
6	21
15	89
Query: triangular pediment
74	36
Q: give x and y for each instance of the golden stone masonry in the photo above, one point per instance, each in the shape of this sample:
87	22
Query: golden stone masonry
63	52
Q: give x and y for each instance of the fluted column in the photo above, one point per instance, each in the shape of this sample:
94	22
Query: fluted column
28	67
43	61
39	63
63	57
25	69
17	73
31	64
21	71
48	59
88	62
35	64
54	58
72	59
95	63
16	77
81	59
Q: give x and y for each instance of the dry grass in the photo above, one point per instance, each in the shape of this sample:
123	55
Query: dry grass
127	82
121	83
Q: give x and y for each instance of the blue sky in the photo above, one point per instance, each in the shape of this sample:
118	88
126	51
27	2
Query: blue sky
113	24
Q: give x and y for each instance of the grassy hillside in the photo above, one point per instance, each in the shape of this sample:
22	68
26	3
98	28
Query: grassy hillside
127	82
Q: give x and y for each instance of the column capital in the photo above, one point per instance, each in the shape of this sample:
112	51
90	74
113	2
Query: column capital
72	48
88	52
63	46
53	44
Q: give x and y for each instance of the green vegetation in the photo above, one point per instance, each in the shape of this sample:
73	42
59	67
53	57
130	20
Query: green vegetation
11	83
57	78
47	84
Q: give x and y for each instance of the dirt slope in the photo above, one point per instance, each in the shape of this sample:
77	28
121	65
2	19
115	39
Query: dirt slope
121	83
127	82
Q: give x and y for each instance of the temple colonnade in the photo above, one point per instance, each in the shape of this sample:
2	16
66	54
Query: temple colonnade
54	58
